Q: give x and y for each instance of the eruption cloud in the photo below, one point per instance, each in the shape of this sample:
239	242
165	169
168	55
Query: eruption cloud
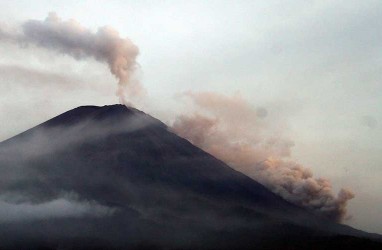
238	134
227	127
70	38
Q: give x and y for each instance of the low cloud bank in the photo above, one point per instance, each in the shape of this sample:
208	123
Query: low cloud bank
58	208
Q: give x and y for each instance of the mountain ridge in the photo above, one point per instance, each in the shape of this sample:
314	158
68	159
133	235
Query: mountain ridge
130	155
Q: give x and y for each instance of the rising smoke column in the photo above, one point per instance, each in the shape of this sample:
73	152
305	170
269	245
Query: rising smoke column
70	38
243	137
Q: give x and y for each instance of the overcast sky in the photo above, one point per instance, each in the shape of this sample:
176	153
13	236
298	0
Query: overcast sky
318	62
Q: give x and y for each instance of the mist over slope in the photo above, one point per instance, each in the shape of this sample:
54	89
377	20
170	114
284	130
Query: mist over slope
114	177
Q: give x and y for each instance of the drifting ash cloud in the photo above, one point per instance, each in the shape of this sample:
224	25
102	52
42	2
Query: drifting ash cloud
242	136
70	38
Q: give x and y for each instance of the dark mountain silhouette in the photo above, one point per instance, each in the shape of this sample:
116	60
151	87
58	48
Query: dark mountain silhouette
113	177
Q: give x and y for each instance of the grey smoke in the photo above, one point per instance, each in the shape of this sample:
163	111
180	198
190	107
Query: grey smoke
70	38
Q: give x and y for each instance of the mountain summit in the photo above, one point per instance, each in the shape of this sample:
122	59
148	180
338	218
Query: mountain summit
113	177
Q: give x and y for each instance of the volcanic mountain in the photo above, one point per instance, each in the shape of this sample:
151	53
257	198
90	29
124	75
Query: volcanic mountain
113	177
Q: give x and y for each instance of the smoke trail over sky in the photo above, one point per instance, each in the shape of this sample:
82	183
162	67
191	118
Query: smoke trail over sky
70	38
240	135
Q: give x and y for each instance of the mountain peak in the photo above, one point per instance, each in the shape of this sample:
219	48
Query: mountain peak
82	112
109	108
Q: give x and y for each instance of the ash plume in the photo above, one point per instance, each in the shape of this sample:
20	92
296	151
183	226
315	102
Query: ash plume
233	131
70	38
246	138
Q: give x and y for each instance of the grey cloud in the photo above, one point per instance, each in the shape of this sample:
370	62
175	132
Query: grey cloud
35	77
369	121
57	208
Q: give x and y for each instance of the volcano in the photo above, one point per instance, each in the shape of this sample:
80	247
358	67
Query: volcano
113	177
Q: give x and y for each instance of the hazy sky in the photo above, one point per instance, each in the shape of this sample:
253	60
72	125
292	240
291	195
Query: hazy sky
315	64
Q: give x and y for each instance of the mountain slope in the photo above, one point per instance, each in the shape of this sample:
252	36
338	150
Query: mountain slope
114	177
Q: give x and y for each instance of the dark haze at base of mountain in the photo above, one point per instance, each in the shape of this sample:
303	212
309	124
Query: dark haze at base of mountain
113	177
